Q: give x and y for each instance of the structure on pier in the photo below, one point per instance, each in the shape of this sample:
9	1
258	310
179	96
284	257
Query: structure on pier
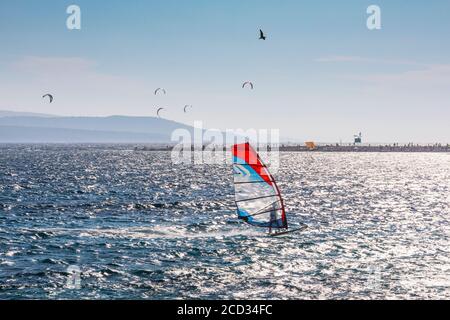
358	138
310	145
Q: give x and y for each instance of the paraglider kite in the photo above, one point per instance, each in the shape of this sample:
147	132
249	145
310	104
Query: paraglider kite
49	96
248	83
160	90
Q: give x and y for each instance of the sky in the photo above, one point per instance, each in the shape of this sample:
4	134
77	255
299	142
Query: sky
321	75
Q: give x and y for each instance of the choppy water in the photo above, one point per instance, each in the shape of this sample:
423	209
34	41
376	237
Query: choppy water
138	227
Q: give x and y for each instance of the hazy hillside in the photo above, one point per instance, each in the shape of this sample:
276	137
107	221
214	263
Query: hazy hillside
6	113
55	135
86	129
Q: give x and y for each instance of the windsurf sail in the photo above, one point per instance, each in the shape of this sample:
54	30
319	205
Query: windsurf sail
257	195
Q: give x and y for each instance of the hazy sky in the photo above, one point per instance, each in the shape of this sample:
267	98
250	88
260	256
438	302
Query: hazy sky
321	74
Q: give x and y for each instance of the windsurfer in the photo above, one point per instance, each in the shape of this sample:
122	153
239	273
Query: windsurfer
273	218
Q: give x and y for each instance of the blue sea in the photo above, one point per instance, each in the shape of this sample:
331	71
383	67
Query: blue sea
105	222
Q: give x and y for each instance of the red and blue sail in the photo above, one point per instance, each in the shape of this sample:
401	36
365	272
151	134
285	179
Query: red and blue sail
257	196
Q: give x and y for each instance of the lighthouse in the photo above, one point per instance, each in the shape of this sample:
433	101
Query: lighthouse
358	138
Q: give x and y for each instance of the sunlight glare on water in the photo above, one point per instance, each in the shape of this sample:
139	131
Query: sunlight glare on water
139	227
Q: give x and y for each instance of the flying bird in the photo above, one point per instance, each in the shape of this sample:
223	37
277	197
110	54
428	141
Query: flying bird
49	96
261	35
157	112
187	106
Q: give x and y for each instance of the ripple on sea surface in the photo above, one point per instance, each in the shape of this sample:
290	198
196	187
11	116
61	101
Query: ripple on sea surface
139	227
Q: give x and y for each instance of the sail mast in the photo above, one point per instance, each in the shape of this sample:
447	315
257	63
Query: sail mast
283	210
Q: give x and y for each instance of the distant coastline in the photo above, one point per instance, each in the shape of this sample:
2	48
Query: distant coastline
413	148
167	147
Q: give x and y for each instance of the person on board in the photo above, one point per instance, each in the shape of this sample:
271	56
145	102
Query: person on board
273	219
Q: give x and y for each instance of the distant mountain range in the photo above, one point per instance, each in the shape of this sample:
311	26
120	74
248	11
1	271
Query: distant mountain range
17	127
6	113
